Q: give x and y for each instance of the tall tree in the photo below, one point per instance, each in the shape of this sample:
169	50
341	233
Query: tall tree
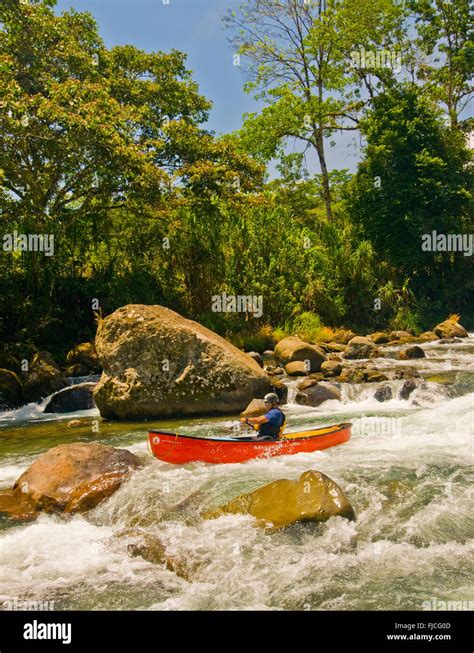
447	37
298	55
415	179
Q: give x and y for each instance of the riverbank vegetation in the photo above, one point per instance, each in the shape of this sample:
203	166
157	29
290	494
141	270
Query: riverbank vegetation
107	150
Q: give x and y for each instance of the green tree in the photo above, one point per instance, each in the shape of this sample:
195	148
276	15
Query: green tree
446	37
298	55
415	178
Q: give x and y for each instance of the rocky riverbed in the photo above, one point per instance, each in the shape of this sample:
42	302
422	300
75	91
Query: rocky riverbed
406	472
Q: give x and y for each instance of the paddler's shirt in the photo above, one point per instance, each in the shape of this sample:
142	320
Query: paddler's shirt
275	420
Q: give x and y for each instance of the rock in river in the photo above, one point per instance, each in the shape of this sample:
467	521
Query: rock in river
69	478
450	329
69	400
317	394
158	363
43	378
11	391
360	347
314	497
292	349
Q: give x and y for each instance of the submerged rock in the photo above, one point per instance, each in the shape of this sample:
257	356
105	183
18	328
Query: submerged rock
293	349
11	390
151	548
69	400
158	363
314	497
317	394
450	329
43	377
70	478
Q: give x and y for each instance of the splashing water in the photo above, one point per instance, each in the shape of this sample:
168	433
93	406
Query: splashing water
407	471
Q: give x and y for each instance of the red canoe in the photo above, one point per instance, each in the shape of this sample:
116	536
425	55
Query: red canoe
179	449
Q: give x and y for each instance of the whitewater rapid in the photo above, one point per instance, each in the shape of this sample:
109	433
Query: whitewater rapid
407	471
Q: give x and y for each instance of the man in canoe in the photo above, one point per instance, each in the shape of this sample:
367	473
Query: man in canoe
270	425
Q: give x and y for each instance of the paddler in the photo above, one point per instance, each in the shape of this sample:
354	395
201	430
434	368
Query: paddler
270	425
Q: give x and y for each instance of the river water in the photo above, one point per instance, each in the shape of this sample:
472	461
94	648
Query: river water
407	471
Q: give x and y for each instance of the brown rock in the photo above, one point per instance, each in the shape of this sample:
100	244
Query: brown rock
306	383
71	399
384	393
85	355
297	368
317	394
77	370
428	335
11	390
15	505
43	377
415	352
379	337
255	408
408	387
343	336
360	347
398	335
75	477
450	329
314	497
331	368
292	349
256	357
157	363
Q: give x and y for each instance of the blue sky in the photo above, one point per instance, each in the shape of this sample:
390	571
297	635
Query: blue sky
194	27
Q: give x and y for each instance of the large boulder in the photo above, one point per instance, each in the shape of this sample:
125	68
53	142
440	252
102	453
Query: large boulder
85	355
69	400
43	377
69	478
315	395
408	387
292	349
314	497
11	390
360	347
450	329
157	363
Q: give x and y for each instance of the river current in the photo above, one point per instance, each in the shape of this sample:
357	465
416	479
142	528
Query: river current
407	471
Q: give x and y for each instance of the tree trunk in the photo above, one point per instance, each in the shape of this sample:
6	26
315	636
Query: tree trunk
319	145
